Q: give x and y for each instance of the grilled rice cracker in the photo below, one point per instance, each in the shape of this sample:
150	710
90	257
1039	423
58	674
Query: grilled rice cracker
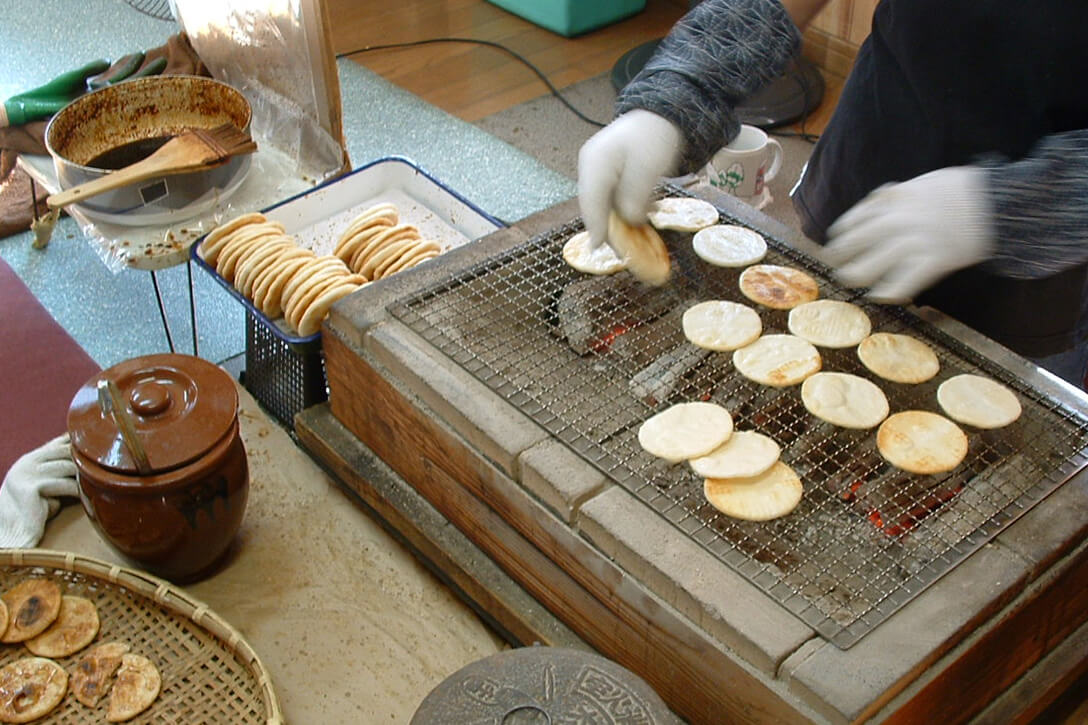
977	401
729	245
32	605
381	261
747	453
899	358
75	627
830	323
845	400
683	214
260	258
602	260
241	244
918	441
777	360
769	495
721	325
92	676
685	431
268	296
267	276
297	307
349	246
318	265
361	260
310	322
137	685
214	240
382	214
642	250
421	253
30	688
778	287
389	245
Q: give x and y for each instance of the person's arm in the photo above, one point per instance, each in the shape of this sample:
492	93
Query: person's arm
1023	219
1040	208
713	58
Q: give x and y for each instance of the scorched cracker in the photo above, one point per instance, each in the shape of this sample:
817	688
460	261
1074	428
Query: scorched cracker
770	495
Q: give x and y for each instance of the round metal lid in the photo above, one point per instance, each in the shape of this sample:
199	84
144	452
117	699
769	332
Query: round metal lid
542	685
180	406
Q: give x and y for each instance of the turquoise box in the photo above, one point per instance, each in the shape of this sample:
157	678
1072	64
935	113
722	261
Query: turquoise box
572	17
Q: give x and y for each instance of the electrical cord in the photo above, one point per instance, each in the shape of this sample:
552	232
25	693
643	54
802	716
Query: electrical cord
802	134
554	91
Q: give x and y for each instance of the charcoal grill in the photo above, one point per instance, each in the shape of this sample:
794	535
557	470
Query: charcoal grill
866	536
588	360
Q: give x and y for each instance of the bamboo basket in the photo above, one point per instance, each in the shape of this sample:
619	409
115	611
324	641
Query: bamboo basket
210	674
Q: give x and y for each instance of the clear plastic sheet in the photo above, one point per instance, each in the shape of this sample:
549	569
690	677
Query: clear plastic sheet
278	56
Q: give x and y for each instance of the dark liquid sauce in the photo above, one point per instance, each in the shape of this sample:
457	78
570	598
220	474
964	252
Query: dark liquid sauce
128	154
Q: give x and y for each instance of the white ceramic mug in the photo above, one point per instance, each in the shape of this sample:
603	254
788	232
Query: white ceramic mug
751	160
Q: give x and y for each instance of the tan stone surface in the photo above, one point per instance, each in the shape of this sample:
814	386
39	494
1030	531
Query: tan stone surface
350	626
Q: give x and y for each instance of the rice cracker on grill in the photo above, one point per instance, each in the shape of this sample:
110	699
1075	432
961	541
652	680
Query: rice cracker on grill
778	287
977	401
75	627
92	676
899	358
30	688
777	360
830	323
642	249
746	453
721	325
602	260
729	245
137	686
682	213
769	495
32	605
845	400
686	430
918	441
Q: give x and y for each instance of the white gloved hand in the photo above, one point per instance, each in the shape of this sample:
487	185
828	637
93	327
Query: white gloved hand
619	166
902	238
31	487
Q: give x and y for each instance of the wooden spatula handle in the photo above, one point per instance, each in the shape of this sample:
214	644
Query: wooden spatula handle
139	171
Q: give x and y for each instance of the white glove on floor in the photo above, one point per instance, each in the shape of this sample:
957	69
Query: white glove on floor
902	238
31	487
619	166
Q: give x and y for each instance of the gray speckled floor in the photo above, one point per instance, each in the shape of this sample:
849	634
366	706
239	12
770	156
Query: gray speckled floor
114	316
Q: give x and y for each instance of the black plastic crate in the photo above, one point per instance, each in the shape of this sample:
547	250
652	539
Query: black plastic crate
283	377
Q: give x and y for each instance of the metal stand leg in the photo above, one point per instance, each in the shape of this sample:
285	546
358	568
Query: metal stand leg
192	305
162	311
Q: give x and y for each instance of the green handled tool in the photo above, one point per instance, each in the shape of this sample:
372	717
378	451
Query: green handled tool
47	99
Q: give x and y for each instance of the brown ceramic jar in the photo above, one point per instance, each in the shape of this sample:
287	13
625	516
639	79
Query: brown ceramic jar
176	511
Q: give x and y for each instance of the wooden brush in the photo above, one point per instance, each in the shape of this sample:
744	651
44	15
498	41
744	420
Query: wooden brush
193	150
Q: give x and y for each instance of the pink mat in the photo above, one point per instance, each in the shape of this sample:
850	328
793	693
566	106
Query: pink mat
41	368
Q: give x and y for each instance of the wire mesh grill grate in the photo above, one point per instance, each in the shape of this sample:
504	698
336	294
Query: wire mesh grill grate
866	537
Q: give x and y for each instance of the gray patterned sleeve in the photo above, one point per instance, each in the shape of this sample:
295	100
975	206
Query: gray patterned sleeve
712	59
1041	208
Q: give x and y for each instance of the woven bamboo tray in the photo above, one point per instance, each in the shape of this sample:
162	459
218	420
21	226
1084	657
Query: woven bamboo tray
209	673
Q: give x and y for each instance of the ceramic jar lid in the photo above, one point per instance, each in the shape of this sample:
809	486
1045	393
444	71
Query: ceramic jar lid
180	407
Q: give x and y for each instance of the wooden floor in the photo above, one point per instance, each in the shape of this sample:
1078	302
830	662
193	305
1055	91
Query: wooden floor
472	81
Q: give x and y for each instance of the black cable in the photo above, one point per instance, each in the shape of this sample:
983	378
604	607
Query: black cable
555	91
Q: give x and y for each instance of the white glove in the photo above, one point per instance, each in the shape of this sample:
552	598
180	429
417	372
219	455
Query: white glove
902	238
31	487
619	166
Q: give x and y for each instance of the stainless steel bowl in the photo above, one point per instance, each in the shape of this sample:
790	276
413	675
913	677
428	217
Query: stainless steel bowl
130	118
